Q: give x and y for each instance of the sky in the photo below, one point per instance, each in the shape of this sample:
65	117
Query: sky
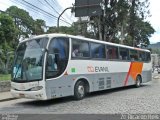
154	20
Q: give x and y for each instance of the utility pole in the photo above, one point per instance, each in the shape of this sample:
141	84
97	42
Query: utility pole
102	27
60	16
132	22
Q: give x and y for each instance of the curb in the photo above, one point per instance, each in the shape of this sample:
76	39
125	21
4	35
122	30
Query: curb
156	78
8	99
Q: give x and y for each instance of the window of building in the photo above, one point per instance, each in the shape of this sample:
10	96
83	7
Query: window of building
97	50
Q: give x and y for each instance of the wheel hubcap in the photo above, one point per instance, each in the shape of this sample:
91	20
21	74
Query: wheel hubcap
81	90
138	82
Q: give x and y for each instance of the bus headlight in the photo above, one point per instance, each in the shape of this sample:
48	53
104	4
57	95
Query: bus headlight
36	88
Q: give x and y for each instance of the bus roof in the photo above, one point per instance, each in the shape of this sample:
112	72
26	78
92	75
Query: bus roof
82	38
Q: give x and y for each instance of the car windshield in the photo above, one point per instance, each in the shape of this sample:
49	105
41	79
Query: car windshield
28	65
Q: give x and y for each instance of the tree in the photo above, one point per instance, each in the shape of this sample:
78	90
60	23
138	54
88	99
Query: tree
143	31
8	35
138	13
72	30
62	29
155	51
39	27
8	30
52	29
125	22
23	21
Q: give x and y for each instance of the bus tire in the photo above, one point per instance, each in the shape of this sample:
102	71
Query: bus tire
79	90
138	81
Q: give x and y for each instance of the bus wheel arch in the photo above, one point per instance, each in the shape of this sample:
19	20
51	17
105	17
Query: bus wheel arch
138	81
81	88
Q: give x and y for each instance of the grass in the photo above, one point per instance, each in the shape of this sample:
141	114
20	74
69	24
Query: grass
5	77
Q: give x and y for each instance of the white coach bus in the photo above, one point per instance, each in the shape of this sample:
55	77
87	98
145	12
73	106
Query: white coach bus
58	65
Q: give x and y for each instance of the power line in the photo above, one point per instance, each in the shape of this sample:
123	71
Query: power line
61	9
53	8
53	1
44	4
34	10
57	5
38	8
45	11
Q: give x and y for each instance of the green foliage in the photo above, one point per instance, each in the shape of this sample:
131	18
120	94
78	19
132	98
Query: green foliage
5	77
63	29
125	22
128	40
15	23
52	30
139	30
155	51
143	31
8	30
23	21
39	26
8	35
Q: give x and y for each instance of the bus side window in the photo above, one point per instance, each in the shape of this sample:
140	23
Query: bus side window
80	49
141	56
123	53
148	56
133	55
112	52
97	50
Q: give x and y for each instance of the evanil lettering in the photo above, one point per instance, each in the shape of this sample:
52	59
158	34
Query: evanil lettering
101	69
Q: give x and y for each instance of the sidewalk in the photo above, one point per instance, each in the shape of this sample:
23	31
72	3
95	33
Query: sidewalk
6	96
155	75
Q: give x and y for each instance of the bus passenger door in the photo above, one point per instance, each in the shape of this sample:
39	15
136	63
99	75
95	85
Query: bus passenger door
57	59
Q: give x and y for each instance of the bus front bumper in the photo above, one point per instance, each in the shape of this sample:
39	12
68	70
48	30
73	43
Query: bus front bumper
39	95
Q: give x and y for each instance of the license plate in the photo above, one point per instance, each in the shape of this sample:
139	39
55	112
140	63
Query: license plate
21	95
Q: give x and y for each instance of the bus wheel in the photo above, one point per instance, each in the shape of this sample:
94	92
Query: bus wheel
79	90
138	81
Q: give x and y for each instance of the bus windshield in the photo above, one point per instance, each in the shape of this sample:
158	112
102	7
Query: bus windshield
28	64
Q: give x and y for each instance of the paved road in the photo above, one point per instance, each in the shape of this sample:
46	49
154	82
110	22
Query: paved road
145	99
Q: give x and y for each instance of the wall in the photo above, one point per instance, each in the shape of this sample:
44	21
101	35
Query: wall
5	86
